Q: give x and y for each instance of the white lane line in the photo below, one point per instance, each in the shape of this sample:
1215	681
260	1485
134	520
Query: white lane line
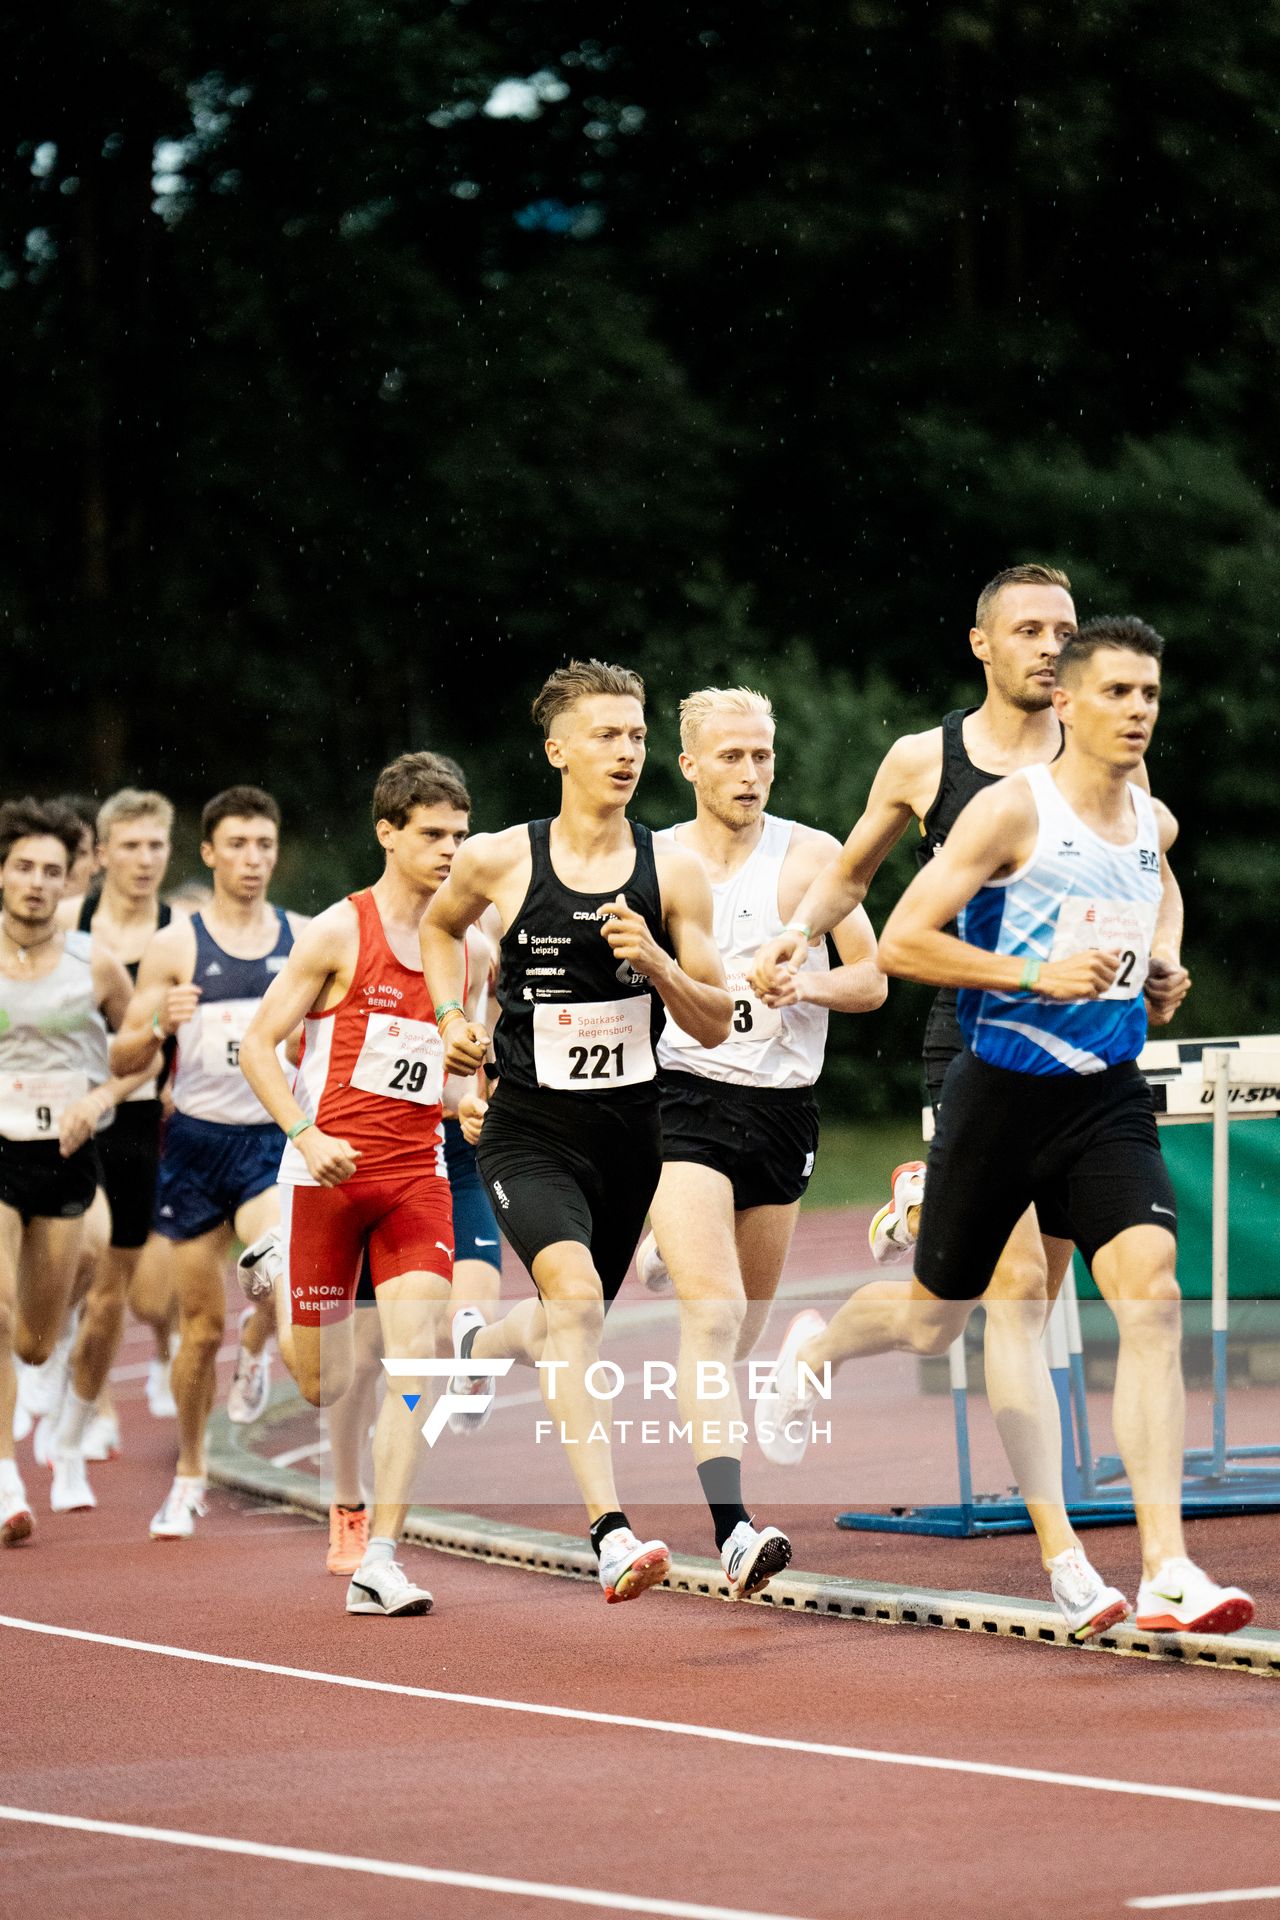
391	1869
1227	1898
292	1455
1197	1796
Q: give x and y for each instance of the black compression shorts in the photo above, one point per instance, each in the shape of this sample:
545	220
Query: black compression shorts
39	1184
1081	1148
572	1166
130	1155
763	1139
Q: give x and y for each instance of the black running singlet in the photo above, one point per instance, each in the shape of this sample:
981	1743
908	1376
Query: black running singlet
89	906
573	1017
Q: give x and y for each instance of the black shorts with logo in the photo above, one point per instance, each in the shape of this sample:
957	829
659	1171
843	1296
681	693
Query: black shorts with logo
572	1166
764	1140
1081	1148
130	1154
39	1184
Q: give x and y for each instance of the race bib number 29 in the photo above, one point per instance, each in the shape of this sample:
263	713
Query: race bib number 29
594	1045
402	1059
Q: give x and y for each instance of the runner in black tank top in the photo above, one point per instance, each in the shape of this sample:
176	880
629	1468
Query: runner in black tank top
960	780
600	934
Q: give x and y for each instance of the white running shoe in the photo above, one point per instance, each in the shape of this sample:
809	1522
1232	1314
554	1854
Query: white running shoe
69	1491
251	1382
385	1587
261	1265
890	1236
102	1438
651	1266
42	1387
628	1566
750	1558
17	1522
1087	1604
1181	1598
481	1390
183	1504
161	1404
42	1441
782	1426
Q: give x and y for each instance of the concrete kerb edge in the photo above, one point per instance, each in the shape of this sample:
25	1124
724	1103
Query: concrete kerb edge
231	1464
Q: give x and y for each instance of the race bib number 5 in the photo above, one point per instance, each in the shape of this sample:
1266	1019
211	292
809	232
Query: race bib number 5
223	1026
593	1046
1111	926
401	1059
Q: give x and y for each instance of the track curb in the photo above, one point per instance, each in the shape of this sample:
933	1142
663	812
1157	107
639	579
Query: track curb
233	1465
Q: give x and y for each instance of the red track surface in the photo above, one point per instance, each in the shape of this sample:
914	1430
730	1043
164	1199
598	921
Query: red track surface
114	1734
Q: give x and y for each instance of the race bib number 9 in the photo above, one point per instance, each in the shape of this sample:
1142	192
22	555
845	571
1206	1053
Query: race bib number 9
1111	926
402	1060
32	1104
594	1046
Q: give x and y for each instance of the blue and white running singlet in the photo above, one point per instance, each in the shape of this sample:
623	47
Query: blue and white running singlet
1077	891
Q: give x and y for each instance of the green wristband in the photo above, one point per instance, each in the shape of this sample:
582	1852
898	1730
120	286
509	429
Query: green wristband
448	1006
300	1128
156	1028
1030	974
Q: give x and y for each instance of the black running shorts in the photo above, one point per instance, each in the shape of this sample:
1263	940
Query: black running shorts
130	1155
572	1166
762	1139
1081	1148
943	1040
39	1184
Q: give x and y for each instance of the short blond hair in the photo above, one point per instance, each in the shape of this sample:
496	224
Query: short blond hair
579	681
697	708
133	803
1030	574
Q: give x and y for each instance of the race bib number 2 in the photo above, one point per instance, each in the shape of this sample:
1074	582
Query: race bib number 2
593	1046
401	1059
1111	926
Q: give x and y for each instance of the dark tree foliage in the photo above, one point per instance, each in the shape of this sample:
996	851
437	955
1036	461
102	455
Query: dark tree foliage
365	360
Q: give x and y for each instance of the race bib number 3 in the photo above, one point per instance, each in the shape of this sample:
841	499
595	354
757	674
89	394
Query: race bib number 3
32	1104
594	1046
1111	926
753	1022
402	1060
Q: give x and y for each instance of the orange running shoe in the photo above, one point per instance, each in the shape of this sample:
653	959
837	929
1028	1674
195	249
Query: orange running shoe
348	1538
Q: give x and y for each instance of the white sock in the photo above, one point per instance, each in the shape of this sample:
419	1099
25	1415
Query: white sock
379	1552
10	1478
75	1417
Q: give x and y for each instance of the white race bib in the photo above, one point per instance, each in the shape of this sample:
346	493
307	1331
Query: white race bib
401	1059
753	1022
223	1026
32	1104
1112	926
593	1046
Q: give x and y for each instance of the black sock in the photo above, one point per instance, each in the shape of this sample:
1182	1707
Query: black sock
722	1490
605	1524
468	1341
358	1507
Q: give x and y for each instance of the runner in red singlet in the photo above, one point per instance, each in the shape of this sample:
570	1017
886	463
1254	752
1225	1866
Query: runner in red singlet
364	1163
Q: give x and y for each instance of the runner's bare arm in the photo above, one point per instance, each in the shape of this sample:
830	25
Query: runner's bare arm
692	986
857	985
315	975
841	884
993	836
163	998
112	991
1168	982
476	873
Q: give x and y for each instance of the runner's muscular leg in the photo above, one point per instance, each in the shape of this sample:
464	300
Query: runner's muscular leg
152	1298
10	1253
573	1309
254	1218
1028	1277
413	1312
46	1270
198	1267
763	1236
350	1417
692	1215
1137	1274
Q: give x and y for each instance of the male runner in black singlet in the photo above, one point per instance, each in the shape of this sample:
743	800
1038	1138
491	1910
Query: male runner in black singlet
1024	617
601	931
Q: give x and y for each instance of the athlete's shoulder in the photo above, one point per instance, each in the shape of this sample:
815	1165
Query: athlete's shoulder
334	931
171	950
297	921
912	758
1006	806
494	853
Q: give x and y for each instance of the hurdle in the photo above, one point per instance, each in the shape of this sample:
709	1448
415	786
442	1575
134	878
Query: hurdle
1217	1080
